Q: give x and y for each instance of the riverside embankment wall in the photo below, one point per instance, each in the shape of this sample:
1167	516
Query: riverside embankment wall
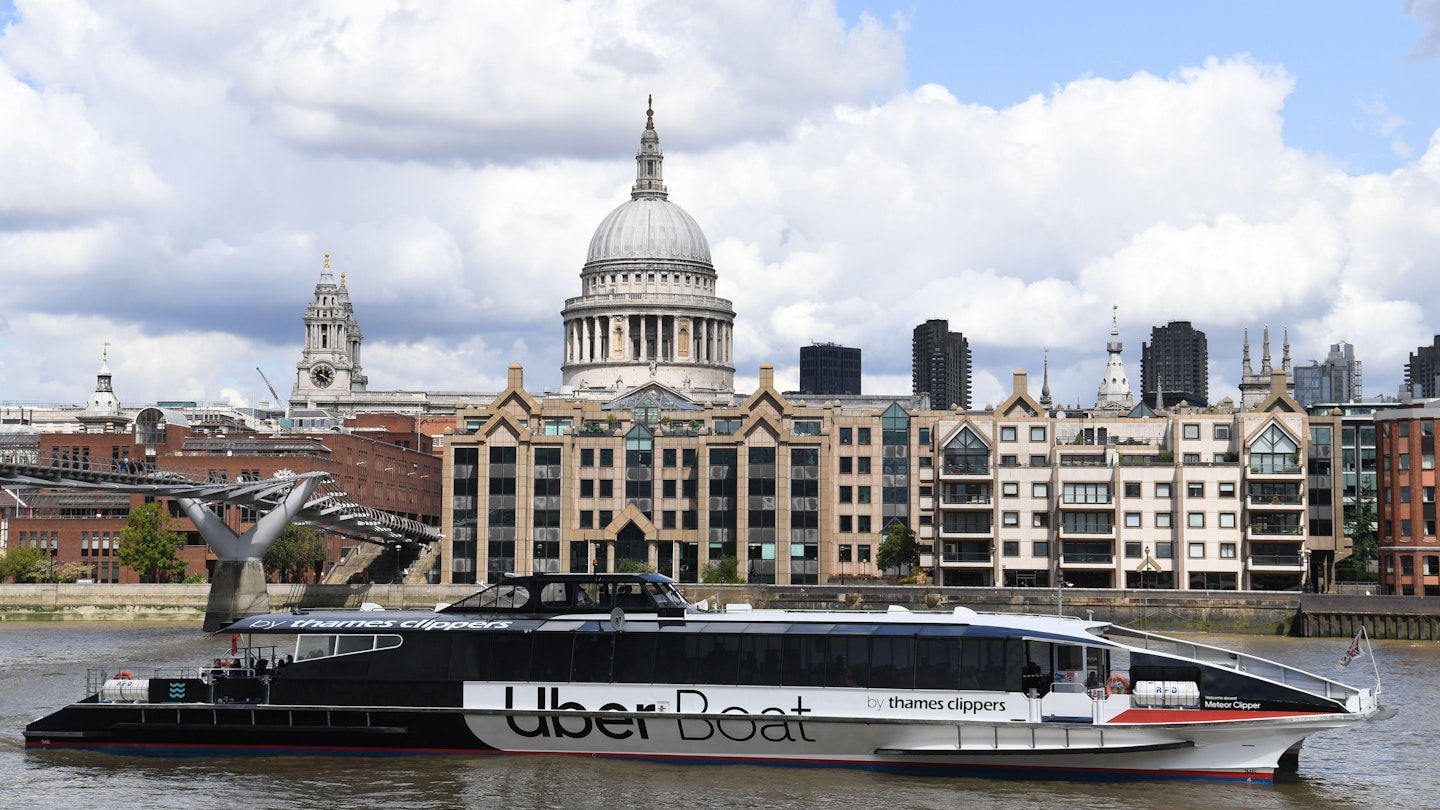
1317	615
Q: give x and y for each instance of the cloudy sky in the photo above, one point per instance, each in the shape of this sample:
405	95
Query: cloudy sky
172	173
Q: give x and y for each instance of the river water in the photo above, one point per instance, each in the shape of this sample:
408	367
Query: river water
42	666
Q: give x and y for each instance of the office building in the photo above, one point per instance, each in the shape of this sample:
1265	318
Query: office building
1337	379
829	368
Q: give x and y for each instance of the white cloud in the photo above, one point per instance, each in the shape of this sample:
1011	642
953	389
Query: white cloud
181	170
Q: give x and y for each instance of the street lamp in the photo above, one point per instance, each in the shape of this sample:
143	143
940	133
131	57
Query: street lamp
1305	566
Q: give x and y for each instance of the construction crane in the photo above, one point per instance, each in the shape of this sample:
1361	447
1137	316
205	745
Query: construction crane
268	385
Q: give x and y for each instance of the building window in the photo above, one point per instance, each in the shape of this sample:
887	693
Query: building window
1227	489
607	488
1162	490
1010	489
846	526
924	437
587	520
1164	551
1010	519
668	521
1040	520
862	465
587	457
1227	520
847	465
1007	433
808	427
1404	459
668	456
1227	551
1191	430
1040	490
847	436
1037	434
1195	520
1037	461
1011	548
587	487
1132	520
1197	551
862	436
667	489
1041	548
607	457
845	495
1132	489
1162	520
862	526
1195	489
845	552
862	553
862	494
1222	431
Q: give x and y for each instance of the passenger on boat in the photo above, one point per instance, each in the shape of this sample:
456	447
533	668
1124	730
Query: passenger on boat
582	599
1033	678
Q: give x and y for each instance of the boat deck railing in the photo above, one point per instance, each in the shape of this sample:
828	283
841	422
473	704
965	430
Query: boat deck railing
1251	664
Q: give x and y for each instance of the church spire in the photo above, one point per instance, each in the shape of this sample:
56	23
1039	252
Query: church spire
1247	370
649	177
1265	367
1045	388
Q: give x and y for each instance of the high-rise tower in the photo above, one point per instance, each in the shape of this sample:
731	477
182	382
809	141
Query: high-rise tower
940	365
1175	366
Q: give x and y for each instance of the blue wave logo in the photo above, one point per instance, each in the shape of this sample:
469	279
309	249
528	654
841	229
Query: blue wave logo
177	690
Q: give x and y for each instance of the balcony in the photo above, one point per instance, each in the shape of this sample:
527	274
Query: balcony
1275	560
1274	530
965	470
956	499
1088	559
1277	500
966	529
967	554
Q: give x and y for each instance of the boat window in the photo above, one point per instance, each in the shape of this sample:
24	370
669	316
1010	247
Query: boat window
717	658
937	663
849	661
891	666
635	657
310	647
675	658
553	595
759	660
510	657
550	657
803	660
593	654
503	596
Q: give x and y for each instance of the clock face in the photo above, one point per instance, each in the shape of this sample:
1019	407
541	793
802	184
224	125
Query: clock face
322	375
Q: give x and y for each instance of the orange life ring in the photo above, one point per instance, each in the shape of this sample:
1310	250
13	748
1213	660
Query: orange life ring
123	675
1117	685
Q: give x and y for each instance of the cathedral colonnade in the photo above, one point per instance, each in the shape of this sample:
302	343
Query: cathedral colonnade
643	337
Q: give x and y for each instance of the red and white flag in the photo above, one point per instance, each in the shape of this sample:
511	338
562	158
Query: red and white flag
1352	653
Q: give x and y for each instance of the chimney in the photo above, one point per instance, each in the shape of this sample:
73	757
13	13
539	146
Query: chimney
515	377
1022	383
767	376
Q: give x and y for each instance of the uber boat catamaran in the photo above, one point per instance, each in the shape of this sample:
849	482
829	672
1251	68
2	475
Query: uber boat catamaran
619	665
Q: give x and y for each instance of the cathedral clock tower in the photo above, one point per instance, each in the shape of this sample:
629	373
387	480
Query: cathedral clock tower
329	368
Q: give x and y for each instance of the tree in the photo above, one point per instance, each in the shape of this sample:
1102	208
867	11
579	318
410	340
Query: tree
295	553
148	547
24	564
725	569
898	548
1362	529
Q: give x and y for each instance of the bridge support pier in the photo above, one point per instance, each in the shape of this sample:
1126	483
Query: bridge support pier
237	589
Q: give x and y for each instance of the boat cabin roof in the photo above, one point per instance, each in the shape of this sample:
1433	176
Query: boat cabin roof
539	594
